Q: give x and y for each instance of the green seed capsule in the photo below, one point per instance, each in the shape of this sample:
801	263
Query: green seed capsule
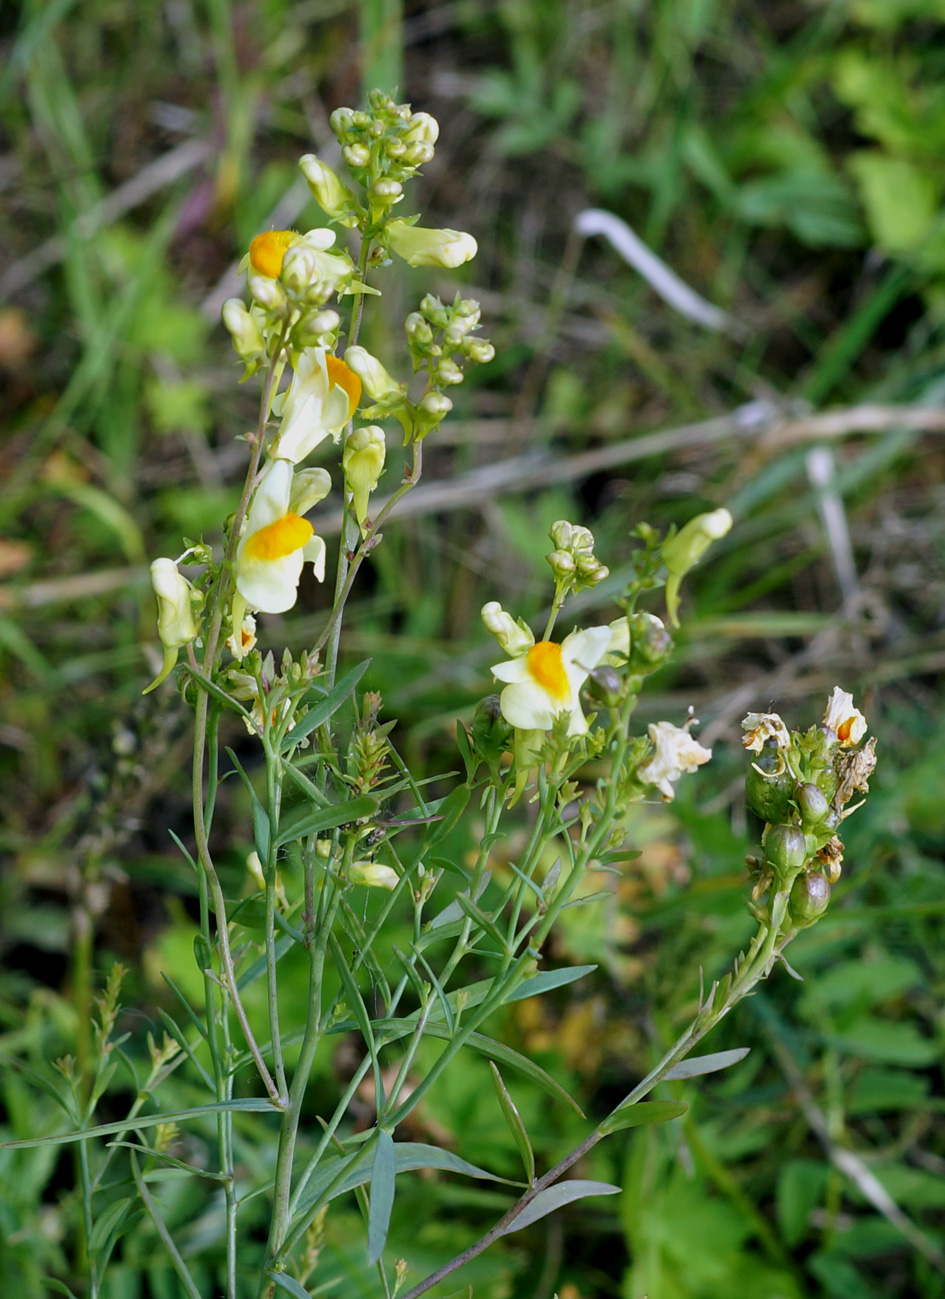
813	805
785	849
769	787
810	897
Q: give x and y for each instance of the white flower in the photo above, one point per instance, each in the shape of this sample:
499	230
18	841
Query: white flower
545	681
419	246
274	545
676	752
846	722
176	625
319	402
759	727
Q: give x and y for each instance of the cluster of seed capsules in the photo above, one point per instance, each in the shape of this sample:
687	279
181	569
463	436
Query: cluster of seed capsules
799	785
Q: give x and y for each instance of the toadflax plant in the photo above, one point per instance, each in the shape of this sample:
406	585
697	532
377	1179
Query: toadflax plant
337	816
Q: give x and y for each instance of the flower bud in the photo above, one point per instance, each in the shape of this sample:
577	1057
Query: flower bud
334	198
386	192
377	382
561	533
813	805
244	330
418	155
309	486
395	149
650	642
373	875
514	636
418	330
490	731
561	564
606	685
422	127
363	461
810	897
687	547
436	406
300	269
268	293
785	849
419	246
341	121
479	350
356	156
432	309
448	372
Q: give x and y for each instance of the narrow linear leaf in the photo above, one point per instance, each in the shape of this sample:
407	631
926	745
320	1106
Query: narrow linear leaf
484	922
644	1112
383	1176
262	831
516	1126
45	1084
454	911
288	1283
549	979
449	812
325	708
256	1105
698	1065
59	1287
325	818
409	1157
555	1197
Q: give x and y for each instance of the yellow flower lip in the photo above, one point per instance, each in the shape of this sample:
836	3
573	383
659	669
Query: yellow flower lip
278	539
267	251
546	667
342	376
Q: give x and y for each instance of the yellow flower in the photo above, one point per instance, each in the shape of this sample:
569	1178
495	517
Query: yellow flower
275	543
419	246
545	681
319	402
846	722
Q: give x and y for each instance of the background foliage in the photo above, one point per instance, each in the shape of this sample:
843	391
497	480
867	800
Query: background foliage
787	161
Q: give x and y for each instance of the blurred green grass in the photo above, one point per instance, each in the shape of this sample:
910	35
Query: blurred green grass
786	161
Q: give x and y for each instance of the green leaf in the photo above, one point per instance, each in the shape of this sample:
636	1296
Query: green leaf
113	1223
697	1065
485	923
261	827
59	1287
800	1183
325	818
327	707
383	1176
289	1284
516	1126
409	1156
453	911
641	1114
549	979
255	1105
901	199
449	812
555	1197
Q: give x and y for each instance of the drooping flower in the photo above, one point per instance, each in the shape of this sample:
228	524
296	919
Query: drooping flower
419	246
275	543
846	722
512	634
319	402
686	548
675	753
759	727
545	681
363	462
176	625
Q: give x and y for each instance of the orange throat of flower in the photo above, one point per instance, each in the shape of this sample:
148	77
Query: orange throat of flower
546	667
267	251
278	539
342	376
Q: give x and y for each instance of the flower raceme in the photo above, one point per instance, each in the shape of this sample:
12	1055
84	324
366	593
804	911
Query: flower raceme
545	681
319	402
276	541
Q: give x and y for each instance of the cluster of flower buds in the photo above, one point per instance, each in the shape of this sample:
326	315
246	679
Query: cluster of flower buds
799	785
573	561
